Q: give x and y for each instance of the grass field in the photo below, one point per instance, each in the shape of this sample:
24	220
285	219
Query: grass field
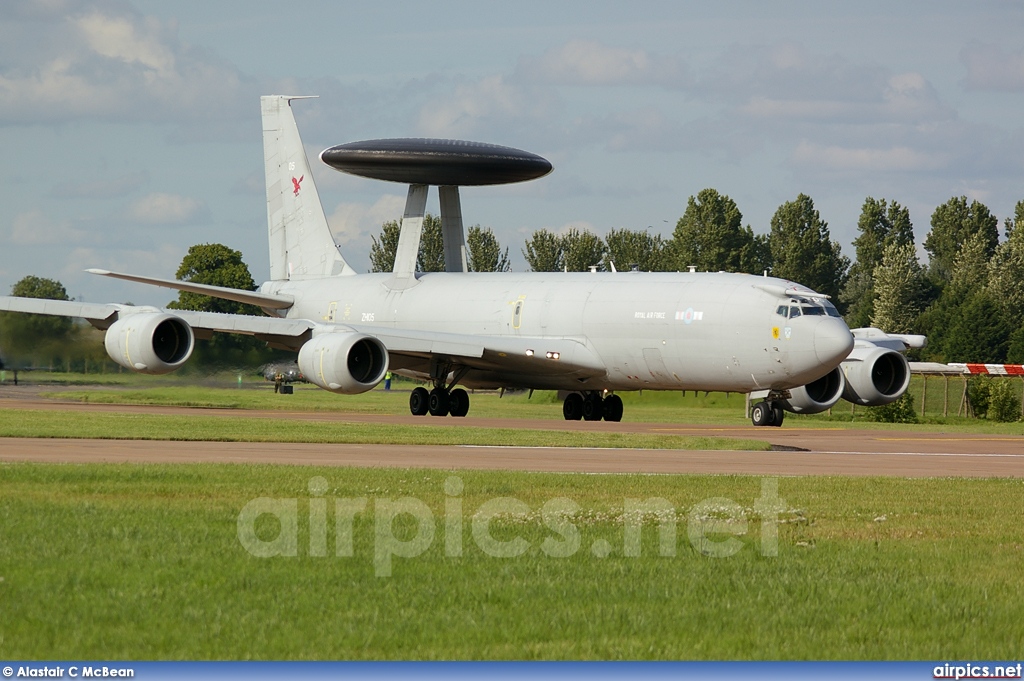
199	427
649	406
145	562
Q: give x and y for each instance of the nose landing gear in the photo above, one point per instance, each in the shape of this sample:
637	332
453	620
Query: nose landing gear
767	414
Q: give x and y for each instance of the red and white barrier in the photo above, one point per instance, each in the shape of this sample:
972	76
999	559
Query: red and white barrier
991	369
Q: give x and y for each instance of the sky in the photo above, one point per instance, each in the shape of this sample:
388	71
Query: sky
130	130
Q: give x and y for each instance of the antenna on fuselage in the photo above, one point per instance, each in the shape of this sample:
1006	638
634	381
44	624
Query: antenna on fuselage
446	164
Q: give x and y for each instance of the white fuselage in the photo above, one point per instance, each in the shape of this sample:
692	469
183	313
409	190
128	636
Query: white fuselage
664	331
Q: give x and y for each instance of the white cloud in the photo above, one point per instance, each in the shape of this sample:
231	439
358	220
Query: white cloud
357	222
102	187
165	209
991	68
587	62
34	228
109	63
493	101
902	159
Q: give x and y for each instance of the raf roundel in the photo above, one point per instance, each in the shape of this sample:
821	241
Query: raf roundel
436	162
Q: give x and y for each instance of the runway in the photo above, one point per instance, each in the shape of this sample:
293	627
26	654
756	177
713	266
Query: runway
800	450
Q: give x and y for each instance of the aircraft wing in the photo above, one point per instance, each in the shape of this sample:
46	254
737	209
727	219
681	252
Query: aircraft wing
410	349
237	295
94	312
285	332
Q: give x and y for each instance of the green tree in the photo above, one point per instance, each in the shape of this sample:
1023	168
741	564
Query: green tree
581	250
978	332
968	279
431	253
215	265
34	338
628	249
218	265
953	223
543	252
1015	350
484	251
881	223
382	250
802	249
710	237
898	289
1006	269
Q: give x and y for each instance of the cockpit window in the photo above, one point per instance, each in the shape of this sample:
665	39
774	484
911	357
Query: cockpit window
831	310
814	310
782	310
794	311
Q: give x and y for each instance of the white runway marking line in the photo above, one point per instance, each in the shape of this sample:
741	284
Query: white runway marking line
1008	456
599	449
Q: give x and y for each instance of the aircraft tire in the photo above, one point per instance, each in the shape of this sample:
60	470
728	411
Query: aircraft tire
761	414
437	402
572	408
778	415
613	408
458	402
593	408
418	401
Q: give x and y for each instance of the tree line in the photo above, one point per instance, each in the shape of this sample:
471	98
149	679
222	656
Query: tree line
968	298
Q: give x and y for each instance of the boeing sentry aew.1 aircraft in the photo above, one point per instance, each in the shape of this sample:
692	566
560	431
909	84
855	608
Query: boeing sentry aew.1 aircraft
588	335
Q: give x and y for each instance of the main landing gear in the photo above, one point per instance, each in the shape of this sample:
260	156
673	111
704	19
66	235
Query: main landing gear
767	414
442	400
591	406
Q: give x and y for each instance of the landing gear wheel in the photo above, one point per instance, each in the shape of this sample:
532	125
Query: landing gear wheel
418	401
778	415
572	408
593	408
613	408
458	402
761	414
437	402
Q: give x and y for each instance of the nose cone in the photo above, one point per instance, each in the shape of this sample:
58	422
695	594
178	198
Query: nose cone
832	341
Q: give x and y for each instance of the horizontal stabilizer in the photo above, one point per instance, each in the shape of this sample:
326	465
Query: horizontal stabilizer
262	300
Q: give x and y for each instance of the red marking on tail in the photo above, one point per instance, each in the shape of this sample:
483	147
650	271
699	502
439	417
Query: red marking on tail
296	183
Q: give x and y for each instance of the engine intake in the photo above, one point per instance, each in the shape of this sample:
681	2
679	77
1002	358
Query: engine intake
150	342
346	363
875	376
816	396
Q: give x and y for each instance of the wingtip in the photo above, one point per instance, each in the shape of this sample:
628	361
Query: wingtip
94	270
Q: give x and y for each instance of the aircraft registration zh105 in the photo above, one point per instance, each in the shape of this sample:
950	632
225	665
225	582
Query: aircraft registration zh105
587	335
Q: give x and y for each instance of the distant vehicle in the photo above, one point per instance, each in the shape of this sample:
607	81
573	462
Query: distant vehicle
590	335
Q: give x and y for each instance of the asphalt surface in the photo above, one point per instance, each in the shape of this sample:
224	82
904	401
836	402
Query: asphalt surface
799	451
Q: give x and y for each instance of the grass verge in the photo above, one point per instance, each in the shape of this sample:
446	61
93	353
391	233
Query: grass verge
145	562
199	427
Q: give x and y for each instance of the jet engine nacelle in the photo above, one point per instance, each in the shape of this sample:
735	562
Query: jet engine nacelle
875	376
817	396
150	342
346	363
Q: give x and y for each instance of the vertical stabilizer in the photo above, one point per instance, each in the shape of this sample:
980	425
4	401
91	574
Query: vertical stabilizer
301	243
